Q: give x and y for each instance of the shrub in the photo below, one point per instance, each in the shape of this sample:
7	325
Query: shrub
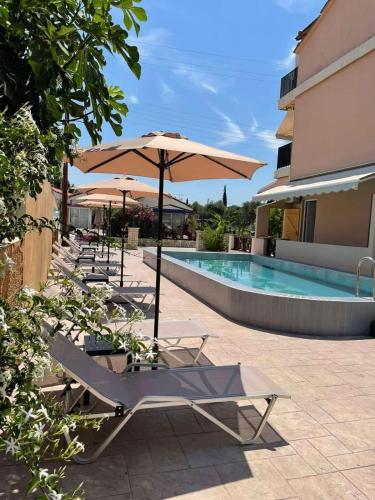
213	239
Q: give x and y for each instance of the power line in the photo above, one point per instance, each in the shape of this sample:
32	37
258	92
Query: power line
223	75
215	54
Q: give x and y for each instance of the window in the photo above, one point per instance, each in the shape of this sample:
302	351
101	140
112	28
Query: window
308	226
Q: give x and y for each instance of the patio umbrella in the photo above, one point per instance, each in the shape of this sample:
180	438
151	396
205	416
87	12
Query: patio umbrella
165	155
103	200
127	187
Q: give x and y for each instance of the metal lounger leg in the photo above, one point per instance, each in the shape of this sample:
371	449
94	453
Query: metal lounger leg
225	428
86	460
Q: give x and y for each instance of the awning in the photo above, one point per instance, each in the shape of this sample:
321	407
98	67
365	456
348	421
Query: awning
285	130
329	183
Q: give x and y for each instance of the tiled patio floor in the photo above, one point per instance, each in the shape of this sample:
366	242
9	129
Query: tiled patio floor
319	445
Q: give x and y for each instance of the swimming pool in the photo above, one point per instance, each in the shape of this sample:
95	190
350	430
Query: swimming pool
276	276
272	294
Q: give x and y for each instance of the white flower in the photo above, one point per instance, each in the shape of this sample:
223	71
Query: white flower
29	292
12	446
149	355
9	262
43	473
43	411
80	447
28	414
4	327
39	430
53	495
137	357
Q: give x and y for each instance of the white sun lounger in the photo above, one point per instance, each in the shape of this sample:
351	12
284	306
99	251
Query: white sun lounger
172	334
129	392
119	294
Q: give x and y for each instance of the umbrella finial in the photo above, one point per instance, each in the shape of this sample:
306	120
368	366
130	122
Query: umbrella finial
173	135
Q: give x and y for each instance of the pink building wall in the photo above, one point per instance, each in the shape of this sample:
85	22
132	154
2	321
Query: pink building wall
344	25
334	122
344	218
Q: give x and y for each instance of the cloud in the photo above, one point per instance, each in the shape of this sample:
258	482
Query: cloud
267	136
166	91
196	78
133	99
293	6
287	62
232	133
148	43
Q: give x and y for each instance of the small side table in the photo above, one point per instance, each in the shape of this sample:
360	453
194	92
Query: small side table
94	347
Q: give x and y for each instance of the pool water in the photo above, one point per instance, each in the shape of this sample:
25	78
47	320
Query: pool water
274	275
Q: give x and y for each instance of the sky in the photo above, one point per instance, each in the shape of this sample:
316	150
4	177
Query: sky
211	70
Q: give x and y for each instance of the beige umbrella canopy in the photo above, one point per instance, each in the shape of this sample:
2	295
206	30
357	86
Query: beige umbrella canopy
183	160
165	155
112	187
99	200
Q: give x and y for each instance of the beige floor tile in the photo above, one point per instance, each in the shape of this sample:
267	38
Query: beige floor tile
166	454
363	479
211	449
256	480
194	484
297	425
329	446
106	476
331	486
353	460
312	456
357	436
292	466
13	482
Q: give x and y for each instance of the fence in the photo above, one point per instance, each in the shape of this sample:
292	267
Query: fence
242	243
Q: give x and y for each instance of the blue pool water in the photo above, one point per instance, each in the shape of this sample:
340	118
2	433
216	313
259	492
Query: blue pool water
275	275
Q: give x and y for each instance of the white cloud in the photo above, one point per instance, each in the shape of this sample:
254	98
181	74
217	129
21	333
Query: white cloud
232	133
133	99
148	43
288	62
267	136
196	78
166	91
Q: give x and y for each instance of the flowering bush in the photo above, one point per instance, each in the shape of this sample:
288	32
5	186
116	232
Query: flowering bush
24	166
31	424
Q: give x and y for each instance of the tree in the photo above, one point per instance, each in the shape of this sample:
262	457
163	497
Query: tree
225	201
52	56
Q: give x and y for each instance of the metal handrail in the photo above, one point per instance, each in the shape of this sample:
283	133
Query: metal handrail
363	259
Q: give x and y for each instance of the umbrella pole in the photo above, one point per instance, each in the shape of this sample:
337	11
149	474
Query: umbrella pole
109	229
158	247
123	237
103	230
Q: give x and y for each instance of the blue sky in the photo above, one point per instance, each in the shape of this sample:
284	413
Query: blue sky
211	70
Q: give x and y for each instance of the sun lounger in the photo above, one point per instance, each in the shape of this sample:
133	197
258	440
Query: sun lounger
84	248
128	393
127	294
85	260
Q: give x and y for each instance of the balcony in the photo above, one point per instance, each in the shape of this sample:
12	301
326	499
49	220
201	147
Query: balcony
288	82
284	155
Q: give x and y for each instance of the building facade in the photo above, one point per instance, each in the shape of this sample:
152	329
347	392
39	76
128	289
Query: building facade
325	176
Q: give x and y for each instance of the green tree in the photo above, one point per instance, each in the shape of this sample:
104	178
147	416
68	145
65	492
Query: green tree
52	55
225	201
276	222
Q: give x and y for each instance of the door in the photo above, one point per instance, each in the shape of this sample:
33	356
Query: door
309	214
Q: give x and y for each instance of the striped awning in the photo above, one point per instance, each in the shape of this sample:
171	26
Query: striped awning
330	183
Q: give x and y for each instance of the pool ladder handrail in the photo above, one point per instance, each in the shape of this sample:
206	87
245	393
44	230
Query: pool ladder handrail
363	259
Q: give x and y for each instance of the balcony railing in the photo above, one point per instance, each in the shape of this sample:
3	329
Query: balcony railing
288	82
284	155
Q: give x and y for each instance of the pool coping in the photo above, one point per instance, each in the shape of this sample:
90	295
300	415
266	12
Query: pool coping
309	315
